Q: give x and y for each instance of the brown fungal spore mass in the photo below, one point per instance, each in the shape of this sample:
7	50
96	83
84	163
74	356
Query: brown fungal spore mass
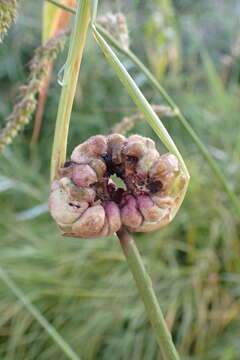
86	203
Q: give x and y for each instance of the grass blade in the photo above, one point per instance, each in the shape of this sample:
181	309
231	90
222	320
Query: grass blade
39	317
70	78
54	20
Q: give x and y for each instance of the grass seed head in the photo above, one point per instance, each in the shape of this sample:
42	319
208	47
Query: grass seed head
24	109
8	13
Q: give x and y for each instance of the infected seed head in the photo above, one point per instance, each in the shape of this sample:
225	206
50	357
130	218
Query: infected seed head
86	203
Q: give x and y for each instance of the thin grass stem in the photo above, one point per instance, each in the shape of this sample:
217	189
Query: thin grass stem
71	71
138	97
144	107
70	353
145	288
94	11
179	115
62	6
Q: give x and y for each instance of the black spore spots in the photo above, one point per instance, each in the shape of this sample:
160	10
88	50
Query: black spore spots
111	167
73	205
68	163
132	159
155	185
108	161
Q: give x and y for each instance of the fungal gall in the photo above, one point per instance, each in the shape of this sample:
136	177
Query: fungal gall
86	203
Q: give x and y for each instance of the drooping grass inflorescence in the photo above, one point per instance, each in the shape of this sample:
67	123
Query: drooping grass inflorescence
8	14
116	25
24	109
128	122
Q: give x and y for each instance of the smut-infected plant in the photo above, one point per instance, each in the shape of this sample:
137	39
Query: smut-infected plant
86	203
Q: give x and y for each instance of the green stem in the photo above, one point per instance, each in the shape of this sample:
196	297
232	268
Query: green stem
62	6
211	162
148	296
71	71
138	98
94	11
39	317
145	108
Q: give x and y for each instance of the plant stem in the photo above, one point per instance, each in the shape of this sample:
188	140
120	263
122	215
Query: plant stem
148	296
39	317
62	6
202	148
94	11
145	108
71	71
138	98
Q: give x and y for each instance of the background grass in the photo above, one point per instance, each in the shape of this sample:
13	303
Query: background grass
83	287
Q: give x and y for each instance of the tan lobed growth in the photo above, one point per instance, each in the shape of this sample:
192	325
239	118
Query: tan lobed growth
86	203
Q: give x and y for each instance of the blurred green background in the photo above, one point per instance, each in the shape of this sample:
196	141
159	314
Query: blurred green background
83	287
